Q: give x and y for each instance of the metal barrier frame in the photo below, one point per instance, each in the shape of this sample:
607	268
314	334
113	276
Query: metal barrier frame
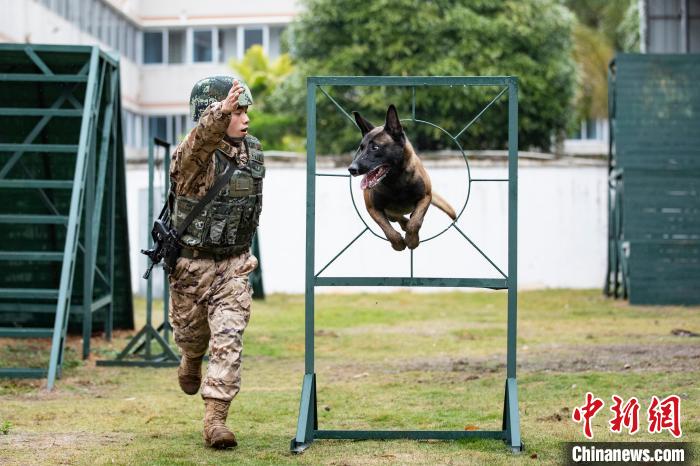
307	424
92	186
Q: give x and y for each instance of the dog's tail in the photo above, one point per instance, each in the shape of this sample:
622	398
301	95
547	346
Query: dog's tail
443	205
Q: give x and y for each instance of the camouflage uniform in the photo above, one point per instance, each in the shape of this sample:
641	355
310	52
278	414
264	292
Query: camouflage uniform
210	299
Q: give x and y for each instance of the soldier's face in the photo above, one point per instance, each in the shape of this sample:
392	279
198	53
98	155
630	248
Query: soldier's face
239	123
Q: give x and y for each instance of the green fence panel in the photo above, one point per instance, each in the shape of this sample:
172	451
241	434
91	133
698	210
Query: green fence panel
654	179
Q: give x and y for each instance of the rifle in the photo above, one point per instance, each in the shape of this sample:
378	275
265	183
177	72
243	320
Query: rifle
165	246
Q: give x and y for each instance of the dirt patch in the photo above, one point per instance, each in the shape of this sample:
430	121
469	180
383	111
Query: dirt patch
45	447
672	357
602	358
43	440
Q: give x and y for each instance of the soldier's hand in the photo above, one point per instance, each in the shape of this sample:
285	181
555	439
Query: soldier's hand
230	103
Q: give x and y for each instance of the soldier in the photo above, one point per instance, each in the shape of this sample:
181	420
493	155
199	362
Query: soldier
210	295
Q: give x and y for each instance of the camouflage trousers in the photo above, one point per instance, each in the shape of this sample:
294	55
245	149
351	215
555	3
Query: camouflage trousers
210	305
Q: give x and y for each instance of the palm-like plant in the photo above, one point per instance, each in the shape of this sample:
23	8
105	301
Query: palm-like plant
603	27
592	53
262	74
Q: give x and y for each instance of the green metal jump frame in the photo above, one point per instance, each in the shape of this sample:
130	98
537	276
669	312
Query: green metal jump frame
307	425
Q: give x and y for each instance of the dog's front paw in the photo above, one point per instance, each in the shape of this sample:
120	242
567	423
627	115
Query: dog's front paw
412	240
398	243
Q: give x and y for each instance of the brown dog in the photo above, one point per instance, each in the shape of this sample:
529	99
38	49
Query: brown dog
395	182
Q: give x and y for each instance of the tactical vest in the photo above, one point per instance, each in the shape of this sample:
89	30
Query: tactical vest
226	225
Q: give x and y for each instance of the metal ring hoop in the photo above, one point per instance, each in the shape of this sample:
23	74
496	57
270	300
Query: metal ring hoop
466	200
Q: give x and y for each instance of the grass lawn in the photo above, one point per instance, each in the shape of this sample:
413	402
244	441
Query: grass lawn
384	361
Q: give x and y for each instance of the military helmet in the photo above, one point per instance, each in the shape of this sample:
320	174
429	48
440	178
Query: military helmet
215	89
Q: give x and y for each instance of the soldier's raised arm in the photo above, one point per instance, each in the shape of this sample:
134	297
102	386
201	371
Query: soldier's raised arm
212	124
212	101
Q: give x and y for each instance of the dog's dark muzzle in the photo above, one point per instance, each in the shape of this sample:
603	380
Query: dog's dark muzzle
354	169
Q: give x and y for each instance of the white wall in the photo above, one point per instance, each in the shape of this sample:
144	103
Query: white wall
165	89
562	227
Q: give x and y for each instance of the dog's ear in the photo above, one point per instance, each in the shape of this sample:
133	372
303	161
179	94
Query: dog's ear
364	125
393	125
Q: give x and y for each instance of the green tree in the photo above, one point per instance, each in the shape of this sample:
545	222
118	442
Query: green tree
530	39
262	74
275	128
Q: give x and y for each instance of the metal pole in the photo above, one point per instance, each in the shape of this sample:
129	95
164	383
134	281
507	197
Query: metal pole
88	251
112	216
149	284
512	224
310	223
70	249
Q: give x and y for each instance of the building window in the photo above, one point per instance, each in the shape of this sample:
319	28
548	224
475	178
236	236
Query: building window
106	26
275	46
176	46
123	32
140	129
153	47
252	37
694	27
95	17
673	26
228	44
113	30
158	127
202	46
61	7
129	45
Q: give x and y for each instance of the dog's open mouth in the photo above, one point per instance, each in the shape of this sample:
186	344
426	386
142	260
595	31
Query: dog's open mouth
374	176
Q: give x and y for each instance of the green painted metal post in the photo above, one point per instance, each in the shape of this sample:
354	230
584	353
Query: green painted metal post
63	307
309	296
149	244
307	421
608	271
109	324
513	425
88	249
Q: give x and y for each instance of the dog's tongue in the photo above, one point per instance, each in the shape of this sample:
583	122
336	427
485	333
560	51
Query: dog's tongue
364	183
372	177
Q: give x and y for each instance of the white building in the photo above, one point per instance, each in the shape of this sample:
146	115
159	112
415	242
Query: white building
165	46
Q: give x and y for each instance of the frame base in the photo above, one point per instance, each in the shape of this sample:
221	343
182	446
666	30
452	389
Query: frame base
307	425
136	353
